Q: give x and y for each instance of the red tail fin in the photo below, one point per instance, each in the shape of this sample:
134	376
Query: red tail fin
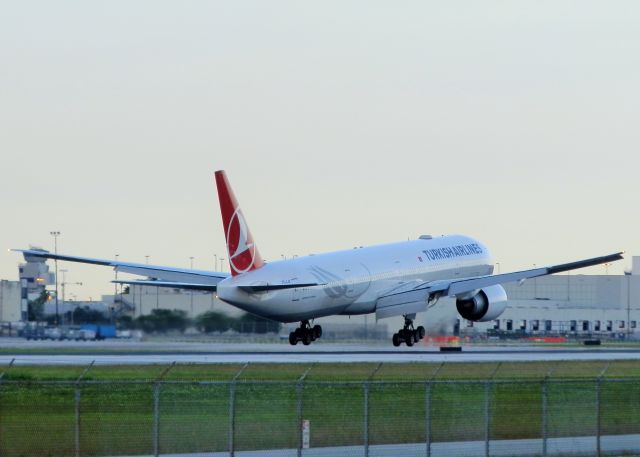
242	251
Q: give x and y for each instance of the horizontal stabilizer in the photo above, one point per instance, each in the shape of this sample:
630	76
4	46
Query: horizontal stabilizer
269	287
169	284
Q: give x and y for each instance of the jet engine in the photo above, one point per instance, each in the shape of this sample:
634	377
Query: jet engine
486	305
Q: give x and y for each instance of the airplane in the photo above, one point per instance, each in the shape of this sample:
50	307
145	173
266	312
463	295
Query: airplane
396	279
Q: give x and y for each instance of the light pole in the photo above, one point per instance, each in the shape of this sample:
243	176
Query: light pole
215	256
146	258
64	285
628	275
55	234
221	263
191	264
64	281
115	290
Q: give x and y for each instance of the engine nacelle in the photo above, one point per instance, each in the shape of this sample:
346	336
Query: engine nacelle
484	306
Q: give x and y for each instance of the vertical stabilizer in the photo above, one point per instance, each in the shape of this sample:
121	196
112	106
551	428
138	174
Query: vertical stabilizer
241	249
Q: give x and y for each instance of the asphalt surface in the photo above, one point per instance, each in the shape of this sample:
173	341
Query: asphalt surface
136	352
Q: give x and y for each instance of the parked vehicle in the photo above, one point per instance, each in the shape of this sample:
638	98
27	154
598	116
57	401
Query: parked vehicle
52	333
100	331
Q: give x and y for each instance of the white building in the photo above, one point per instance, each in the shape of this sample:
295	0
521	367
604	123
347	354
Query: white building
10	292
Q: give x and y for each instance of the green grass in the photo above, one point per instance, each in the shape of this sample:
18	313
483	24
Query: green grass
117	417
334	371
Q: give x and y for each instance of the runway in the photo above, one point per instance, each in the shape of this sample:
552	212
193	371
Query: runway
131	352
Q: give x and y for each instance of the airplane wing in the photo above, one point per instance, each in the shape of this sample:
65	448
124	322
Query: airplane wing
161	273
413	298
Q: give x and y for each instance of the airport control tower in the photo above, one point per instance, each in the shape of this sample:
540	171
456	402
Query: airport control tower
34	277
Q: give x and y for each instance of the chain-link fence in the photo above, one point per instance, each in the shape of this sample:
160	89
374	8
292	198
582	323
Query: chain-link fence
316	418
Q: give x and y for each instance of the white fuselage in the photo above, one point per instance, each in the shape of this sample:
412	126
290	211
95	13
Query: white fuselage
352	280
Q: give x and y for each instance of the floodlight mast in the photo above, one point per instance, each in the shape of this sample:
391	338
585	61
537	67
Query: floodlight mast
56	234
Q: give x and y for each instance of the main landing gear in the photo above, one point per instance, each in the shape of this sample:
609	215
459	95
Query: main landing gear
305	333
408	334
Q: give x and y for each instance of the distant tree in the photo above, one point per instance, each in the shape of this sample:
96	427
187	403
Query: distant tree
86	315
125	322
35	308
163	320
213	321
250	323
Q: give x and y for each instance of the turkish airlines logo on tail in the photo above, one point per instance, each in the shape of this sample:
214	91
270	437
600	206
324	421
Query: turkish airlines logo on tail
242	249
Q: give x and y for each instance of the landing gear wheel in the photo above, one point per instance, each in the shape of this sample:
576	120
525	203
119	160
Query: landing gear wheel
305	333
408	334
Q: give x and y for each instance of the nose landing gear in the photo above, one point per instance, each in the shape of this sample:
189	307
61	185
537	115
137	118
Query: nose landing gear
305	333
408	334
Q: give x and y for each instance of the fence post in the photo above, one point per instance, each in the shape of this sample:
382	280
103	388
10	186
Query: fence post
598	417
299	398
77	407
599	409
545	411
487	416
427	419
232	416
366	418
487	409
77	423
366	388
7	369
156	409
544	417
156	419
232	410
427	408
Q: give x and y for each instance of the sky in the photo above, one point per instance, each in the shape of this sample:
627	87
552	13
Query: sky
339	123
